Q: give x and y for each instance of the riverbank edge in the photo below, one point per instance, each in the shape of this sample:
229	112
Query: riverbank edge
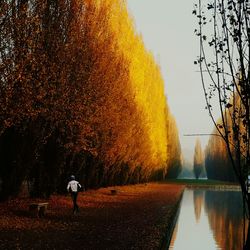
214	187
203	185
169	227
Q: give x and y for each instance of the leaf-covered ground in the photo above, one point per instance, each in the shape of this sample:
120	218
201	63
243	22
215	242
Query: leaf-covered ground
137	217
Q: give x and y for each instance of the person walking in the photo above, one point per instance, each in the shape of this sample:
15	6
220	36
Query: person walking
74	187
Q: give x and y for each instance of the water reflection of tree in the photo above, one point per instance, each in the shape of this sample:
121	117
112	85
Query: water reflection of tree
225	219
198	203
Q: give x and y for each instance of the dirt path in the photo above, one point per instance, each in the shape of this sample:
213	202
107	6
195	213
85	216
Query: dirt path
137	217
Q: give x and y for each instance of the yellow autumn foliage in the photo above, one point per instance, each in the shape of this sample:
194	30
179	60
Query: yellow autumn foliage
78	78
128	89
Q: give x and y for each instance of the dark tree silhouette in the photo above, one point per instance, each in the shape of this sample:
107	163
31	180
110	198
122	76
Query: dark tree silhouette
224	30
217	162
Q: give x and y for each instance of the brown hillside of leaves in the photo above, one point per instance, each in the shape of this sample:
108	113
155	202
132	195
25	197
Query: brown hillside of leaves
137	217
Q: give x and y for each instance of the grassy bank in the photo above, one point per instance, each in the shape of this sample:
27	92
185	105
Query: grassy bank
203	183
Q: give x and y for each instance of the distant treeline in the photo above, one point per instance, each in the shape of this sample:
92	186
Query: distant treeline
79	94
218	163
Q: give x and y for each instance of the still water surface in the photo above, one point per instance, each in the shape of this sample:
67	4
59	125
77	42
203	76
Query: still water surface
209	220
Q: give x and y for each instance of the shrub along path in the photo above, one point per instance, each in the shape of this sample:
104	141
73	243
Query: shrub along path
137	217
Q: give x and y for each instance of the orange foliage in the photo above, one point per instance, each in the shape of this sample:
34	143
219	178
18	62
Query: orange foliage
79	72
174	157
129	108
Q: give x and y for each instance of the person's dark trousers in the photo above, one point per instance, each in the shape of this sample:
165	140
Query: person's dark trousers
74	199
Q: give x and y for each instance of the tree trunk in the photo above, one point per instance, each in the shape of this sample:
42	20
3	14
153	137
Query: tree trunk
247	243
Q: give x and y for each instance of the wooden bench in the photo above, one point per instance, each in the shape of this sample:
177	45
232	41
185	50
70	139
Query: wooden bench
39	209
113	191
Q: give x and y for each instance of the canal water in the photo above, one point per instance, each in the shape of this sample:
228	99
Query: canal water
209	220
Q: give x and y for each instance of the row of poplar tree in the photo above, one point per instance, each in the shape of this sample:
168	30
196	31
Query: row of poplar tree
218	163
214	160
79	94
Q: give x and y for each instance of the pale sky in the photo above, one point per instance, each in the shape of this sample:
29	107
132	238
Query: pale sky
167	28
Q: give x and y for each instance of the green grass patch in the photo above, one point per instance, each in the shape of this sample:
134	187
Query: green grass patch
200	182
